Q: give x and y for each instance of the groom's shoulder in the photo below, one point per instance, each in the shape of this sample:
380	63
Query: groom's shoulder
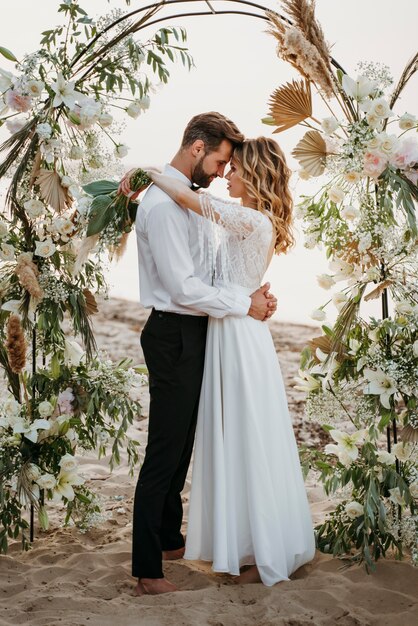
157	202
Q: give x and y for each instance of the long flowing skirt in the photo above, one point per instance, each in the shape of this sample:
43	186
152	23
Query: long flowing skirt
248	502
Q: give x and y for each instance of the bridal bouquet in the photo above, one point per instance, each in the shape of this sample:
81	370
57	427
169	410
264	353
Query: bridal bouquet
361	374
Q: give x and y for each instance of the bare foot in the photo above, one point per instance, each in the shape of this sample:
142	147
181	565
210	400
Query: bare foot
250	575
173	555
154	586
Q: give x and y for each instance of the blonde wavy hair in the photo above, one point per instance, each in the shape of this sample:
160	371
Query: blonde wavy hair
266	178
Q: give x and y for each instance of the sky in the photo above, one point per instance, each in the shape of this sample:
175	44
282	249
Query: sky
236	71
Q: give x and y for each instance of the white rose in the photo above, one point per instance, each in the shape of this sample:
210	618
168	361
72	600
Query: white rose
404	307
354	509
415	348
388	143
68	463
44	248
44	130
352	177
145	103
336	194
402	450
34	208
105	120
413	489
339	299
329	124
407	121
35	87
89	112
134	109
76	153
4	229
73	352
349	212
33	472
318	315
121	151
11	407
46	481
325	281
380	107
374	121
386	458
45	408
7	252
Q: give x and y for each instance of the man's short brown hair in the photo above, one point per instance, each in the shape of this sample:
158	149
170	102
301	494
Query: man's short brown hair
212	128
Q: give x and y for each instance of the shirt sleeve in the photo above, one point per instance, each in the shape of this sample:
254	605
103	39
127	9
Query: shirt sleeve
168	237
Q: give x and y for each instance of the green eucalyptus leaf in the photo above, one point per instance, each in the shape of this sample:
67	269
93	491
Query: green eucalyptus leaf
7	54
101	187
101	213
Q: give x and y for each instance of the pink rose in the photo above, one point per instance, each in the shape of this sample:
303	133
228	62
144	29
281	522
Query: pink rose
406	155
17	102
374	163
65	401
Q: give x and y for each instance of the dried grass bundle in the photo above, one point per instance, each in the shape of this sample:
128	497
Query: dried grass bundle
119	250
27	273
15	344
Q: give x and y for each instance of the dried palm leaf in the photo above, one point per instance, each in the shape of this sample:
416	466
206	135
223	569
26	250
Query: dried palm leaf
311	152
291	104
91	304
377	291
52	191
323	343
409	433
35	168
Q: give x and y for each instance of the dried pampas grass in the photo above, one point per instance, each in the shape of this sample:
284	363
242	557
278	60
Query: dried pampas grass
15	344
27	273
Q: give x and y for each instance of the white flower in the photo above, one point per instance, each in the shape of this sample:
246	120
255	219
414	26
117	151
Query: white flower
73	353
6	79
402	450
11	408
325	281
33	472
45	409
4	229
354	509
318	314
134	109
329	124
35	87
348	443
407	121
380	384
310	241
7	252
373	273
62	225
64	92
387	143
352	177
380	107
396	497
339	299
336	194
34	208
68	463
343	457
403	307
46	481
386	458
306	382
413	489
415	348
44	130
13	126
76	152
30	429
121	151
374	121
11	305
349	212
145	103
358	89
105	120
64	485
44	248
89	112
374	335
341	269
355	346
365	242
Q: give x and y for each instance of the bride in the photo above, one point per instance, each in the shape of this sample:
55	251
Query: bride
248	505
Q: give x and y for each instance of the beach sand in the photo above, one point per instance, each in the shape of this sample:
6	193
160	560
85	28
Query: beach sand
70	578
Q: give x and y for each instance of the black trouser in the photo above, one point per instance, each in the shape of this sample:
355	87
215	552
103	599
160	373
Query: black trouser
174	350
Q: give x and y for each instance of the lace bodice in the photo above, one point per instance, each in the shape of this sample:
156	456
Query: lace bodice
234	241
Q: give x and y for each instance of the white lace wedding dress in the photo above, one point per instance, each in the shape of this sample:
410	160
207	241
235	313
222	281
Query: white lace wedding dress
248	503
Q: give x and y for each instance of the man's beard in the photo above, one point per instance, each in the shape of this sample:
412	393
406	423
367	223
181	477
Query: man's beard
200	177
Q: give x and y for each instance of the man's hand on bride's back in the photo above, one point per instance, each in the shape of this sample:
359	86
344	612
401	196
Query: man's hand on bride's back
263	303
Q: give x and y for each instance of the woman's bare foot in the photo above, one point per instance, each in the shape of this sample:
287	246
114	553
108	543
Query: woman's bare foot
250	575
154	586
173	555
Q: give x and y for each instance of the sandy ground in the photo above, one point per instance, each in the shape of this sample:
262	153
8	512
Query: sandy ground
74	579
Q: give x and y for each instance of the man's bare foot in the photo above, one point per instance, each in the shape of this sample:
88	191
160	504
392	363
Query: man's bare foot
250	575
173	555
154	586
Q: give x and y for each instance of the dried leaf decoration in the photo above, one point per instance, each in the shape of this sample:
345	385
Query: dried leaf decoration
52	191
91	304
377	291
409	433
291	104
311	151
323	343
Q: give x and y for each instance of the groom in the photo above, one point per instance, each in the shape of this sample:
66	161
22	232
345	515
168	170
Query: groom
179	291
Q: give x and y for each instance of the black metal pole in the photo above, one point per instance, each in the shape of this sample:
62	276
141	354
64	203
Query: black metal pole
32	508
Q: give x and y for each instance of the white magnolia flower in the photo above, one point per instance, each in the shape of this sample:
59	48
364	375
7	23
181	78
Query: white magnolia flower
134	109
380	384
45	409
121	151
30	429
35	87
415	348
7	252
336	194
349	212
325	281
407	121
44	248
402	450
396	497
339	299
354	509
105	120
403	307
64	486
380	107
46	481
34	208
73	352
64	92
306	382
76	153
44	130
68	463
329	124
318	314
386	458
352	177
358	89
4	229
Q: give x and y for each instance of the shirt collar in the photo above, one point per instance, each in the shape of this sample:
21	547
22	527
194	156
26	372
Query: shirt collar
174	173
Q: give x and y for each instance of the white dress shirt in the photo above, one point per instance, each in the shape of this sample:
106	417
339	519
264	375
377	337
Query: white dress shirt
171	276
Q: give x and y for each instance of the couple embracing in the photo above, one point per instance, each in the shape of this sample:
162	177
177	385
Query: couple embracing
212	362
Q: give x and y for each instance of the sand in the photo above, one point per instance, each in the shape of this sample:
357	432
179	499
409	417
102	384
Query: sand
70	578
